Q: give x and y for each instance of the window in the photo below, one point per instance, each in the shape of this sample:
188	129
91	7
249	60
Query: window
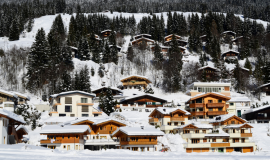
204	131
68	147
235	140
76	147
63	137
219	109
204	140
62	115
142	149
195	140
219	101
226	140
227	131
134	148
51	147
84	100
232	122
169	123
85	115
72	115
210	101
103	137
100	128
233	130
68	136
95	115
111	128
199	100
4	140
243	140
210	109
231	104
68	100
197	131
64	146
77	136
21	99
85	109
242	130
176	123
147	148
213	140
186	131
68	109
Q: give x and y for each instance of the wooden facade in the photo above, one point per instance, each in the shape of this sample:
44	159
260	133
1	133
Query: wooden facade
208	105
106	33
265	88
20	133
135	82
4	97
143	36
260	115
104	89
169	37
142	40
147	100
210	73
229	54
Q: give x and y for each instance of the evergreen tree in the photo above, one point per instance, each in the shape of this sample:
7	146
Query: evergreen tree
149	90
106	54
30	24
85	80
157	53
100	71
238	77
14	31
72	32
65	83
106	101
77	85
83	50
92	72
130	53
248	66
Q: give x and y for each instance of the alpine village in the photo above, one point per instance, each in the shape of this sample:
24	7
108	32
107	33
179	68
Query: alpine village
134	79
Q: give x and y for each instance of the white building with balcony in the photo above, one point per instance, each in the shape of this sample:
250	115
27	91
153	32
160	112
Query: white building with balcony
73	104
238	105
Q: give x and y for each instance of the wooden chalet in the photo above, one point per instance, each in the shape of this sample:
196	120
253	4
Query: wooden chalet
8	121
207	105
169	37
6	96
118	47
115	91
203	38
165	49
138	138
64	137
238	40
210	72
258	115
180	42
145	100
244	72
148	36
135	81
228	33
142	40
230	54
106	33
21	131
264	89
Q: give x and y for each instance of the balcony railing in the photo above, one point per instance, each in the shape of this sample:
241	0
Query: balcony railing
152	120
220	144
79	103
51	141
216	112
215	105
246	134
198	113
138	143
177	119
196	105
56	104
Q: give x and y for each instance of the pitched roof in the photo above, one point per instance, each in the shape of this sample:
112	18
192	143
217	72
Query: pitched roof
229	51
8	93
108	30
200	126
11	115
169	110
208	67
143	77
22	127
239	99
244	125
137	96
143	35
256	109
138	131
208	94
263	85
228	32
65	129
21	95
172	35
93	120
143	38
112	88
73	92
222	118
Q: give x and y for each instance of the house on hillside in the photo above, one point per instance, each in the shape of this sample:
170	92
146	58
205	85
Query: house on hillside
225	133
230	55
201	87
101	132
239	105
141	103
118	48
165	50
258	115
207	105
138	138
169	37
238	41
117	93
181	42
143	40
106	33
8	121
8	100
64	137
264	90
168	118
73	104
203	38
135	82
22	98
230	35
148	36
210	73
244	72
21	132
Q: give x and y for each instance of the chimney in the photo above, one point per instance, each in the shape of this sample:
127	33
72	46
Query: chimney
142	127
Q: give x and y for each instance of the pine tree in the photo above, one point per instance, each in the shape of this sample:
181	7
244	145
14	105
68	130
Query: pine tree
83	50
77	85
72	32
92	72
248	66
106	101
100	71
65	83
30	24
14	31
130	53
85	80
238	77
106	54
149	90
157	53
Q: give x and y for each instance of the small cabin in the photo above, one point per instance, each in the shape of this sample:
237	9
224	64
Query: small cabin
210	72
106	33
180	42
203	38
229	33
115	91
143	36
135	82
258	115
264	89
142	40
230	55
118	47
169	37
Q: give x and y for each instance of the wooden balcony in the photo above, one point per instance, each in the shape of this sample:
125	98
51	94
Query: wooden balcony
199	113
246	134
50	141
153	120
220	144
210	113
227	105
219	105
56	104
138	143
196	105
177	119
134	83
85	104
117	106
153	106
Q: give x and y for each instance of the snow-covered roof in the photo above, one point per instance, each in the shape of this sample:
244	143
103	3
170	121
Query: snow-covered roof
22	127
256	109
143	35
138	131
202	36
11	115
204	93
200	126
143	38
116	46
108	30
235	126
8	93
169	110
73	47
207	67
144	77
171	35
222	118
263	85
228	32
217	135
229	51
237	38
239	99
21	95
73	92
209	84
136	96
95	120
53	120
113	88
65	129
